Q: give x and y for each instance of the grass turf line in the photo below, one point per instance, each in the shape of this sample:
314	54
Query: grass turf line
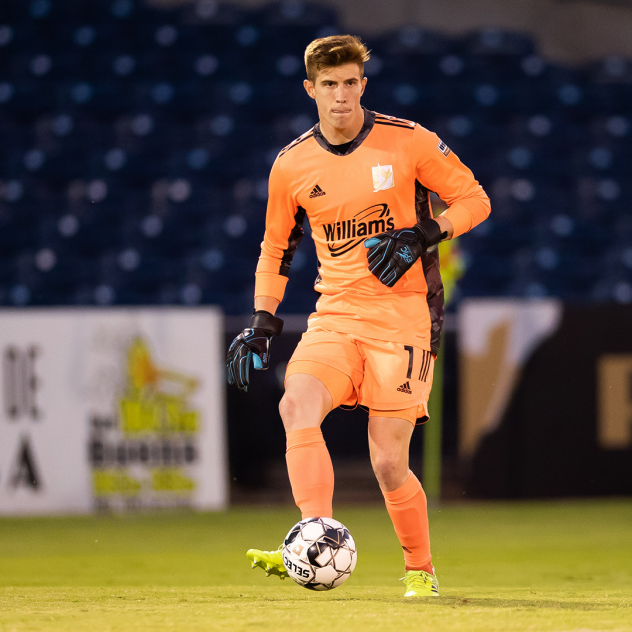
557	566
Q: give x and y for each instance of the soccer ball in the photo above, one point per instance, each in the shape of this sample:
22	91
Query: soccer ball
319	553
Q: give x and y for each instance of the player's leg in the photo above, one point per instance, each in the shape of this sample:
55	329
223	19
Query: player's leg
317	379
312	389
397	382
303	407
389	442
305	404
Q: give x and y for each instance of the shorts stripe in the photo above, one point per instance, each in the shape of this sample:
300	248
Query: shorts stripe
425	365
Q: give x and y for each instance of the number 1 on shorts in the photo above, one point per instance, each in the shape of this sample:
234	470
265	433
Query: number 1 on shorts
410	361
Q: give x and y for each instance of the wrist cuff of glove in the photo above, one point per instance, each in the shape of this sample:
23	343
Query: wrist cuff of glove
429	232
266	321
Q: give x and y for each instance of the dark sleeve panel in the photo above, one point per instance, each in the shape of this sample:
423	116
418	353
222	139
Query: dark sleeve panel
292	243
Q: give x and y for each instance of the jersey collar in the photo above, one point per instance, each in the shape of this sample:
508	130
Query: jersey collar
369	120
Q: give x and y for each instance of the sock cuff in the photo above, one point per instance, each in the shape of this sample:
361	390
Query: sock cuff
304	436
410	488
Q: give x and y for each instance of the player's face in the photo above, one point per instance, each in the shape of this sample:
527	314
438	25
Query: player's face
337	92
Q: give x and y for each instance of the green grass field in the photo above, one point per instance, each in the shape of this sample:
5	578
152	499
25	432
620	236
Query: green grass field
531	566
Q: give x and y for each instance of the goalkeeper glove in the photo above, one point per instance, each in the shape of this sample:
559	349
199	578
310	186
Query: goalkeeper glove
393	253
252	343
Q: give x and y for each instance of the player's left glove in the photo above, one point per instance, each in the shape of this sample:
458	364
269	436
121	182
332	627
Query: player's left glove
252	343
393	253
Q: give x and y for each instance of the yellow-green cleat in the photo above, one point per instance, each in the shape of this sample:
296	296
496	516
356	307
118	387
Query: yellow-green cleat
420	584
270	561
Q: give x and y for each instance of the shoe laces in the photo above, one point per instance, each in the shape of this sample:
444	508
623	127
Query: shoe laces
418	577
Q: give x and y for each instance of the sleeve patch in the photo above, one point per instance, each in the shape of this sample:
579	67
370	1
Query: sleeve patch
443	148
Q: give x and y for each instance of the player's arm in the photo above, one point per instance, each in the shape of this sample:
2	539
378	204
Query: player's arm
282	236
445	226
266	304
284	219
440	170
393	253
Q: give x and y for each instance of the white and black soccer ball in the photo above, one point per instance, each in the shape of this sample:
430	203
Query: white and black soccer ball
319	553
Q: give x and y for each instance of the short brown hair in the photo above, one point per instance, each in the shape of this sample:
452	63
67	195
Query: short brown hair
335	50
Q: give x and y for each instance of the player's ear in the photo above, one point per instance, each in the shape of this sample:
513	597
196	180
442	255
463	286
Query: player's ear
363	83
309	88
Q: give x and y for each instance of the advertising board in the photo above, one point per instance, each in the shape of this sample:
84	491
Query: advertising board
118	409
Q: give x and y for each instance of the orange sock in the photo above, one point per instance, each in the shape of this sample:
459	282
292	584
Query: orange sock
311	472
407	508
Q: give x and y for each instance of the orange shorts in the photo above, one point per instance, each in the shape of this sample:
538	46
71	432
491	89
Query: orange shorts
385	377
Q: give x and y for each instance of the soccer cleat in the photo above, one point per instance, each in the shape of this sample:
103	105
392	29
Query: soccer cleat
270	561
420	584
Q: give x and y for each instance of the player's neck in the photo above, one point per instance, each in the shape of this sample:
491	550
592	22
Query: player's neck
338	136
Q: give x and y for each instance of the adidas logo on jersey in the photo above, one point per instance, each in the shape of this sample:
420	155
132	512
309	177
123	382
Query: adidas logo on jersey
316	192
405	388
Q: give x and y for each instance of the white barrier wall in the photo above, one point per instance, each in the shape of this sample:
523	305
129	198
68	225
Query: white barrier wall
116	408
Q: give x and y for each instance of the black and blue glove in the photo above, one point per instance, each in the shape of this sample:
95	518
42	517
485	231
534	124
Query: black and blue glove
252	343
393	253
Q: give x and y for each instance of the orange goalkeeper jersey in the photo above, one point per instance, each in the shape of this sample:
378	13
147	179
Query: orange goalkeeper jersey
382	182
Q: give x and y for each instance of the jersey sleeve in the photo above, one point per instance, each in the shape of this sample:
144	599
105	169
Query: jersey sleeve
284	219
439	170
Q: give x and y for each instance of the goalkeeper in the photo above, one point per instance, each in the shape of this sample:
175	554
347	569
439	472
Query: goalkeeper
363	180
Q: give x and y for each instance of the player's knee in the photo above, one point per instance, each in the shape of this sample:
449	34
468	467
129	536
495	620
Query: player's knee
298	411
288	408
384	466
292	411
390	471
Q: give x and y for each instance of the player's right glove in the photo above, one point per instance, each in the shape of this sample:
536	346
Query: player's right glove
252	343
393	253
